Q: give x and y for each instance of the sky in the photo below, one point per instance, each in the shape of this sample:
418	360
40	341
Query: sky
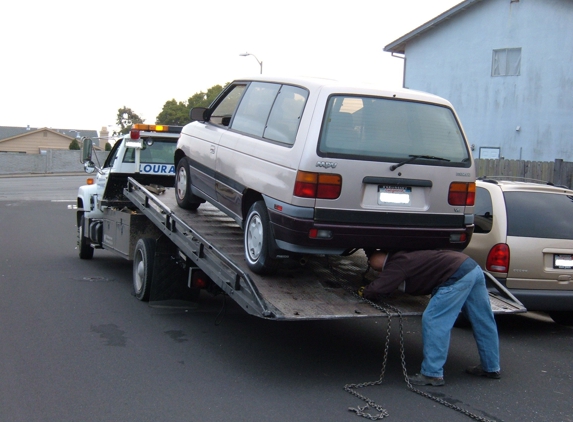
73	64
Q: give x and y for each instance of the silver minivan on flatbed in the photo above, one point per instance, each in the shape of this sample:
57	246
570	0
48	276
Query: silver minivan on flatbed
314	166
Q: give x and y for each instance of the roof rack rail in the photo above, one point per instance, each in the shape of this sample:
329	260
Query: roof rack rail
515	179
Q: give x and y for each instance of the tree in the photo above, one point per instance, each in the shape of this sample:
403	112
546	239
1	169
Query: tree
107	146
173	113
126	118
75	144
177	113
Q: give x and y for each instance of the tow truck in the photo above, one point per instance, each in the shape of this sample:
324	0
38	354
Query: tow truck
130	208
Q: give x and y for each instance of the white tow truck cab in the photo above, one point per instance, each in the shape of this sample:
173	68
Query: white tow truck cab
104	216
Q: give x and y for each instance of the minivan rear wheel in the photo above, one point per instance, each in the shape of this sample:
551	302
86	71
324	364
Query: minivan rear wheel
259	240
562	317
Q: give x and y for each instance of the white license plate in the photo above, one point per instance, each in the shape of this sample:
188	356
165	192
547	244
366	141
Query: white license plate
394	195
563	261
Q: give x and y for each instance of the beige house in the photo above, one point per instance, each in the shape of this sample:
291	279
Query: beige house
37	141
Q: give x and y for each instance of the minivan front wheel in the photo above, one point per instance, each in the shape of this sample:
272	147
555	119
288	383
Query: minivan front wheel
185	199
259	240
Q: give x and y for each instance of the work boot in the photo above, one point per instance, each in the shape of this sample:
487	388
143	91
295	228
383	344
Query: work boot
478	371
421	379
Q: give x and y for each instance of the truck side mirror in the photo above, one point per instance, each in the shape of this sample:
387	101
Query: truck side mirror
87	148
200	114
89	167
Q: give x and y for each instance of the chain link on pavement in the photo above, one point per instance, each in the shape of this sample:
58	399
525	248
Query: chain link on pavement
351	388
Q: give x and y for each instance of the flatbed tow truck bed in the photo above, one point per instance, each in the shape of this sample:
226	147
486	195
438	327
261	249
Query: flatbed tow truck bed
319	287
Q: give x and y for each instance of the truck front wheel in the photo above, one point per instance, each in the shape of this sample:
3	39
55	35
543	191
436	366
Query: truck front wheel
84	247
185	199
259	240
143	258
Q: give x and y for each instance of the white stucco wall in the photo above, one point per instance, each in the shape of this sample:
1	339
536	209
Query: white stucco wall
54	161
454	61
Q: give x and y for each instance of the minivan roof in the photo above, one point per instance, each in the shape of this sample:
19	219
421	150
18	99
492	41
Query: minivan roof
346	87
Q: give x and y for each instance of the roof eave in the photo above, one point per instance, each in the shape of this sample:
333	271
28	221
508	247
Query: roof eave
399	46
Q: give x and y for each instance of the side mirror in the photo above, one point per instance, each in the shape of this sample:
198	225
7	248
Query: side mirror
87	148
200	114
89	167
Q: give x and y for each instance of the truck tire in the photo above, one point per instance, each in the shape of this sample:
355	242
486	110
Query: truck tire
84	247
185	199
143	259
259	240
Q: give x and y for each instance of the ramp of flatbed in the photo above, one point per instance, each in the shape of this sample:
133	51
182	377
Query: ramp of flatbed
318	287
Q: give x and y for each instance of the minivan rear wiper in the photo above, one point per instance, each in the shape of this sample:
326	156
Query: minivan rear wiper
414	158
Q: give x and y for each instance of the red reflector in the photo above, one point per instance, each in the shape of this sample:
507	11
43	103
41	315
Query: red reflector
199	280
312	233
134	134
278	207
498	258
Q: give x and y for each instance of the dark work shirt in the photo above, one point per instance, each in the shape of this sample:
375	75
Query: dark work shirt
422	272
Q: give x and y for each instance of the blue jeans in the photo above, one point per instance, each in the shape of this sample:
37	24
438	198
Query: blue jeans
469	295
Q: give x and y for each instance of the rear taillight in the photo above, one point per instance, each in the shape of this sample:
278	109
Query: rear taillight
317	185
462	193
199	280
498	259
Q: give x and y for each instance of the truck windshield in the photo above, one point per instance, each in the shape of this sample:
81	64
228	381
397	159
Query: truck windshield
159	152
391	130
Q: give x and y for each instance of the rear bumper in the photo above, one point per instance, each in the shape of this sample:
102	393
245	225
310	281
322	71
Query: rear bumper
292	234
545	300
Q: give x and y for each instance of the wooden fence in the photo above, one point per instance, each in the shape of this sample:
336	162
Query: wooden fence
558	172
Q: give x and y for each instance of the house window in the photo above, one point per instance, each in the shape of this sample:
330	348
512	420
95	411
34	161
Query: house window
506	62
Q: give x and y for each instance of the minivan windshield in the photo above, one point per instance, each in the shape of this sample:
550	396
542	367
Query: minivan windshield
394	130
541	215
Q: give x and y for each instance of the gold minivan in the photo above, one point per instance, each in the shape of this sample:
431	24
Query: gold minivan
313	166
524	237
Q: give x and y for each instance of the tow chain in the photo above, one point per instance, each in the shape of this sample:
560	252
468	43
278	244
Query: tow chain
351	388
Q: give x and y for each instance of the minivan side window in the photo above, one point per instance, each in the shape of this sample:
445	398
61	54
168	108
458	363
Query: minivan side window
254	110
483	211
271	111
222	113
286	114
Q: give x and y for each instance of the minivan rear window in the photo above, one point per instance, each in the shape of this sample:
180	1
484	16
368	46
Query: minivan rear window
542	215
388	130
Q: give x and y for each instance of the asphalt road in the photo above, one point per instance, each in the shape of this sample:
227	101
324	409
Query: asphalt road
75	345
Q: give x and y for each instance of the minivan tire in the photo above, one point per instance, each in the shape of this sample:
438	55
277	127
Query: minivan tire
259	240
185	199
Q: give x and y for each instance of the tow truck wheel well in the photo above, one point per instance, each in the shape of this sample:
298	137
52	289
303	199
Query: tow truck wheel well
80	208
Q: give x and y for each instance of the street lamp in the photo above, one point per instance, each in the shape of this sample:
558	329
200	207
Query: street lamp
258	61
